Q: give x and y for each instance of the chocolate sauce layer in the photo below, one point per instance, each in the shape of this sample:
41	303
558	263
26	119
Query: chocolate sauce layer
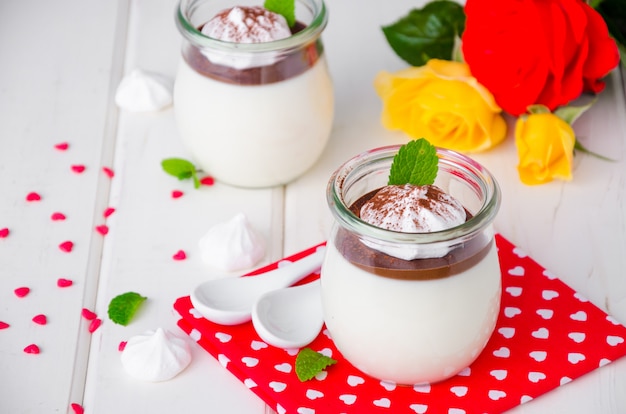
292	64
456	261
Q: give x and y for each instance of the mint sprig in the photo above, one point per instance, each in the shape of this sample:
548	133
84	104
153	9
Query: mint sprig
122	308
286	8
415	163
181	169
427	33
309	363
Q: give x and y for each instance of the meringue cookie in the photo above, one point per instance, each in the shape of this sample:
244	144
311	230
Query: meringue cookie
232	245
142	91
155	356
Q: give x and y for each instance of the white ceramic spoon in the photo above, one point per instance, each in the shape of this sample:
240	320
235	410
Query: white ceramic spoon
229	301
290	317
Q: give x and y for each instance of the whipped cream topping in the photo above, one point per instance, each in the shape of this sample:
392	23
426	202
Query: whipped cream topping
155	356
245	25
232	245
412	209
142	91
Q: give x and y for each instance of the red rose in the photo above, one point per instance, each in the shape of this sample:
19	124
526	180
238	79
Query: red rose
537	51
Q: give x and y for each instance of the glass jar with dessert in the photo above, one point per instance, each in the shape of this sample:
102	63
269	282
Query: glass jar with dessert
411	280
253	98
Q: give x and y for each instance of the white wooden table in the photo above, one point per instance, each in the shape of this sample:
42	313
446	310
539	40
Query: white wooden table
60	63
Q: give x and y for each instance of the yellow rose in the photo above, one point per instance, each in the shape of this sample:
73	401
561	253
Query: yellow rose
443	103
545	146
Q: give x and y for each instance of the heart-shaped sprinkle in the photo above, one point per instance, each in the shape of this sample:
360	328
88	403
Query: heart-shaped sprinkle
89	315
62	146
78	168
62	283
66	246
208	180
20	292
102	229
56	216
4	325
95	324
108	212
77	408
32	349
4	232
40	319
179	255
108	172
177	194
33	196
121	346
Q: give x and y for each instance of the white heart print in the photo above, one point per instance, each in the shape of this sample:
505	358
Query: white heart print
305	410
502	352
249	382
496	394
388	385
383	402
459	391
577	337
354	380
284	367
223	360
614	340
539	356
499	374
511	311
348	399
258	345
545	313
278	386
195	335
419	408
507	332
223	337
575	357
580	316
250	362
549	294
541	333
424	388
535	376
514	291
517	271
314	394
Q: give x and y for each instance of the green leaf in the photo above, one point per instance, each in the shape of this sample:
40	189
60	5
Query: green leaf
570	114
427	33
181	169
310	363
579	147
415	163
122	308
286	8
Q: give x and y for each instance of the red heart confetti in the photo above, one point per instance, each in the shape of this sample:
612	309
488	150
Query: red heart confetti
62	146
4	325
109	172
4	233
102	229
40	319
64	282
56	216
89	315
21	291
32	349
95	324
121	346
180	255
108	212
33	196
78	168
77	408
208	180
177	194
66	246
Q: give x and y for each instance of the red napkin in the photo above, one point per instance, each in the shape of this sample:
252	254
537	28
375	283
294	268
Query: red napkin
546	336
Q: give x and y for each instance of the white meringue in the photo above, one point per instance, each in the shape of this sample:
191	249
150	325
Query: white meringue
142	91
155	356
233	245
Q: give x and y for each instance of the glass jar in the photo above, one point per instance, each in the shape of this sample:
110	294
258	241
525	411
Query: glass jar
253	114
420	320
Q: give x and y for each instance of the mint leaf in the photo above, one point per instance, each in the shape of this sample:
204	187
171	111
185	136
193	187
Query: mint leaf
427	33
309	363
181	169
415	163
122	308
286	8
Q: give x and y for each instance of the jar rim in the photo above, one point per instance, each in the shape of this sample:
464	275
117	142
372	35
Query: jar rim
471	168
310	33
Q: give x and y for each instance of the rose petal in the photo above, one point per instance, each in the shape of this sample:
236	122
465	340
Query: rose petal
64	282
32	349
78	168
62	146
21	291
95	324
121	346
108	212
109	172
77	408
4	325
40	319
33	196
89	315
177	194
208	180
180	255
56	216
4	233
66	246
102	229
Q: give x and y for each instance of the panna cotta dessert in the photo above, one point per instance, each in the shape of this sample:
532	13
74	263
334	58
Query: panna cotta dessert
253	98
411	281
